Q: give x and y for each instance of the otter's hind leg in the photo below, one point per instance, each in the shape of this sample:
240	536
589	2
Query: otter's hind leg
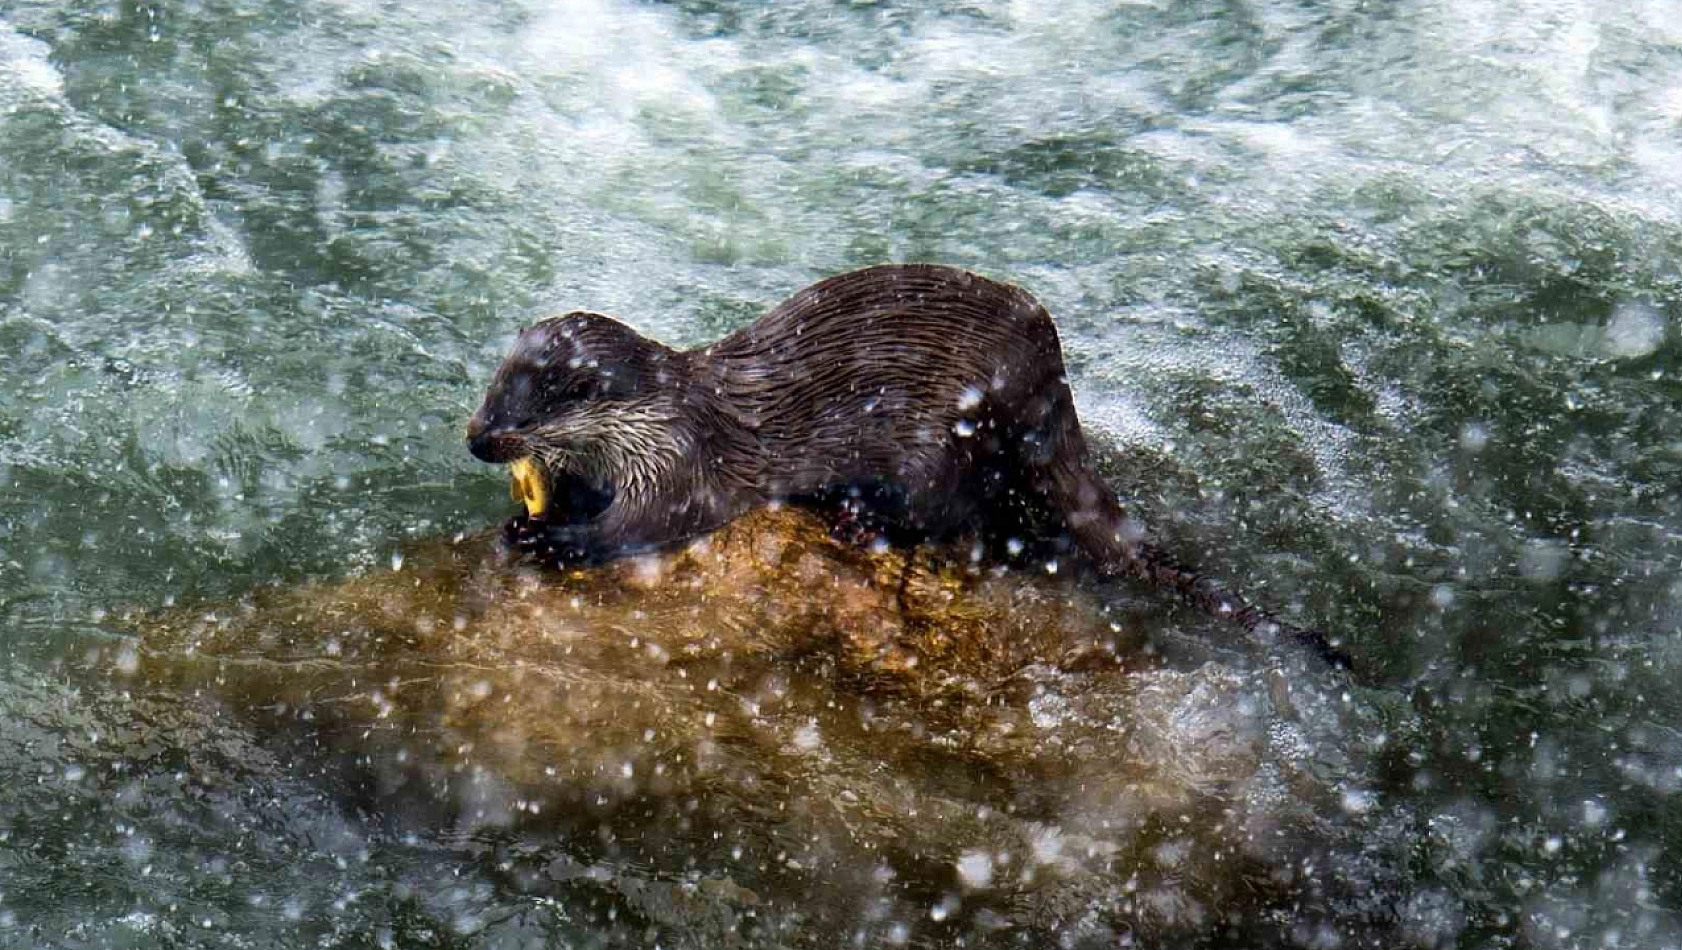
1052	452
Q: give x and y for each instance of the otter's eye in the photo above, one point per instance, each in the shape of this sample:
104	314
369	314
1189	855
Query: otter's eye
571	389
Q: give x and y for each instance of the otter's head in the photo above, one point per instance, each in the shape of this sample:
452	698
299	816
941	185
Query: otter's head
561	382
581	396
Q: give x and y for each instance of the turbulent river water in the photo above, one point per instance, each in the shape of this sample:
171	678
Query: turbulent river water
1375	307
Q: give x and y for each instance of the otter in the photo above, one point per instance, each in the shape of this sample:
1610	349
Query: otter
923	398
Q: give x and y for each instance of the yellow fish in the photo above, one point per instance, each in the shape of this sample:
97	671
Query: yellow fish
528	485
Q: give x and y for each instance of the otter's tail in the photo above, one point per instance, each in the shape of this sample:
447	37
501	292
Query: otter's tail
1096	520
1147	562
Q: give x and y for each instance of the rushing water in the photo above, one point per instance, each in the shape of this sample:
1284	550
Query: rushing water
1374	306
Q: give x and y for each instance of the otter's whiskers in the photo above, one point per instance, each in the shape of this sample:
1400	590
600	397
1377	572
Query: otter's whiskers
628	446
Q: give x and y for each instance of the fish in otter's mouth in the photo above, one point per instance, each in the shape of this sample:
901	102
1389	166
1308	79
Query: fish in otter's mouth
555	496
529	485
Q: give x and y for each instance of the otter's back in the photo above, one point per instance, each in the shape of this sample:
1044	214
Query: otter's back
863	374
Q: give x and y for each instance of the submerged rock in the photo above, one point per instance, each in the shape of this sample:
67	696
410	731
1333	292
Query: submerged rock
770	737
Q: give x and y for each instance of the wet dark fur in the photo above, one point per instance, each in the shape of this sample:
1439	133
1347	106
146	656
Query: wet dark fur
935	396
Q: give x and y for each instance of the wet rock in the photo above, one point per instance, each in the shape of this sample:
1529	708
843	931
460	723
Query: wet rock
771	736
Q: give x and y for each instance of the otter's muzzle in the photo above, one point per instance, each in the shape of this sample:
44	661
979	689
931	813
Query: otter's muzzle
495	444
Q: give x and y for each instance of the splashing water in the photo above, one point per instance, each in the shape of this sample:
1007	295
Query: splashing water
1371	308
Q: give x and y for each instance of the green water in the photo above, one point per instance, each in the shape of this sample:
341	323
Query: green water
1374	306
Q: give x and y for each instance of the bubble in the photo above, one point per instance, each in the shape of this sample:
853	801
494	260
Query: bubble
1171	854
808	737
46	286
1047	845
1594	813
1433	919
1635	330
1357	801
975	869
1542	561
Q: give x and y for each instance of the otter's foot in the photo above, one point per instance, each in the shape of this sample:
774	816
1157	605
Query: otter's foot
847	526
851	524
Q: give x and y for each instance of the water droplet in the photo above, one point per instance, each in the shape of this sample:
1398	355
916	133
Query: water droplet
808	737
1442	596
1594	813
1542	561
1635	330
975	869
947	906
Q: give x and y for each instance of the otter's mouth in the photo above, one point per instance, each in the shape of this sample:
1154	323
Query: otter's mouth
555	496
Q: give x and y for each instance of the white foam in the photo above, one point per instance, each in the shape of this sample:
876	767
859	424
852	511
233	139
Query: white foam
26	71
623	59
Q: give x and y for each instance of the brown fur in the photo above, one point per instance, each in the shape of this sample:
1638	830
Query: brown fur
935	396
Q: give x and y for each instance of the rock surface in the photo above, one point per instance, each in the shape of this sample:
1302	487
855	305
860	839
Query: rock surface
769	732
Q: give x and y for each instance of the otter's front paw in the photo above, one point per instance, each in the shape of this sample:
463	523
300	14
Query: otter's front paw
541	541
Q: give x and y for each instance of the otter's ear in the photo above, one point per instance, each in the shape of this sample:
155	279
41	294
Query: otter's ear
549	343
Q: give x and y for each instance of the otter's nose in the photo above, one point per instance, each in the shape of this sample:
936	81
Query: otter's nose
483	445
491	442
